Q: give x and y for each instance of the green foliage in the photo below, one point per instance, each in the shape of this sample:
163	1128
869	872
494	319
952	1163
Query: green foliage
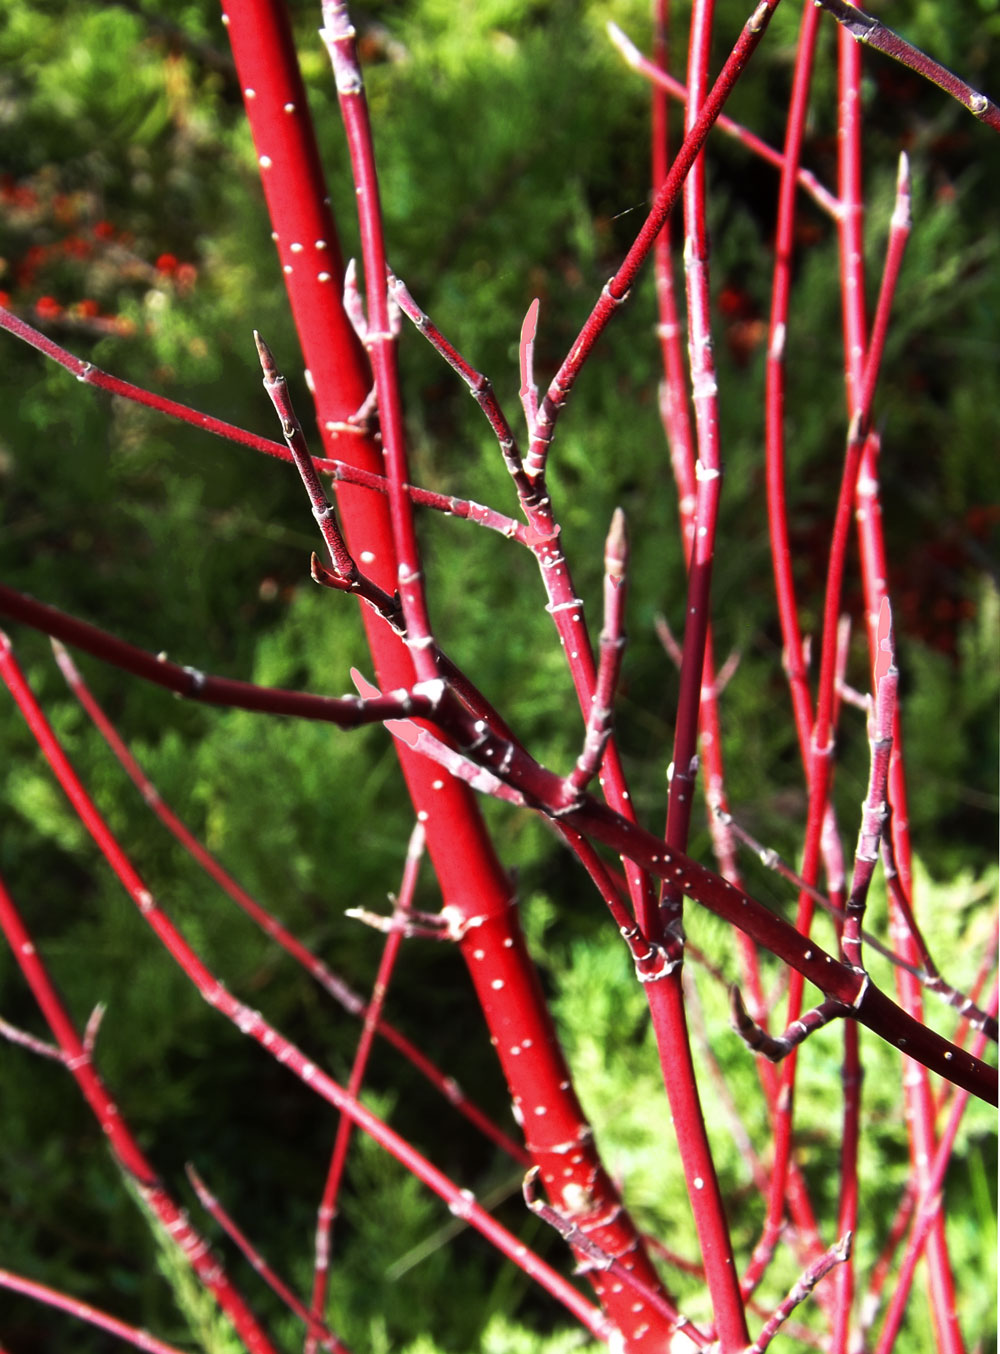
514	164
210	1330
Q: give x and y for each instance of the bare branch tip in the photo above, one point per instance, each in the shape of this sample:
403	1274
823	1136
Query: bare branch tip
326	578
885	646
624	44
197	1184
903	173
267	362
616	545
62	656
93	1027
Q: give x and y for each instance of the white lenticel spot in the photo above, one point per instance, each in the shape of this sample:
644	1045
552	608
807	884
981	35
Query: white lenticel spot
249	94
296	248
698	1182
422	816
265	162
289	107
367	557
323	277
496	984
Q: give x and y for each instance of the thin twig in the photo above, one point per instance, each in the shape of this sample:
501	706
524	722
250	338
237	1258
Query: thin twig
873	33
593	1257
678	90
612	650
836	1255
39	1292
212	1206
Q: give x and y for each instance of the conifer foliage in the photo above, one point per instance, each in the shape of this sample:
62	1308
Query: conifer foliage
720	1040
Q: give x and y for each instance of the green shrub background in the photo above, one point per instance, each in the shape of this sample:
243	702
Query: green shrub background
514	154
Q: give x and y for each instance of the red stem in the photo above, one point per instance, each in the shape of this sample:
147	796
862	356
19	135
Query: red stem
917	1091
774	395
666	995
347	712
928	1210
545	789
123	1144
133	1335
474	887
873	33
313	965
662	80
338	1157
338	469
836	1255
781	556
253	1024
339	36
315	1328
679	435
617	289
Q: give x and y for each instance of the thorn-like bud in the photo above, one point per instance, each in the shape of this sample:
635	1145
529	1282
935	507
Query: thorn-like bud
884	642
903	173
528	1188
625	45
325	577
616	546
738	1015
901	212
267	362
529	325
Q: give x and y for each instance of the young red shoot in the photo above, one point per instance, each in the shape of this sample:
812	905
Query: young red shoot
529	391
873	33
83	1311
317	1330
836	1255
612	651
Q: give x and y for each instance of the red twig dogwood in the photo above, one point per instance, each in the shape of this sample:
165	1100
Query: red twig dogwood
453	742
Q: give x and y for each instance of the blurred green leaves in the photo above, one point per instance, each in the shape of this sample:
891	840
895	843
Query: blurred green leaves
514	164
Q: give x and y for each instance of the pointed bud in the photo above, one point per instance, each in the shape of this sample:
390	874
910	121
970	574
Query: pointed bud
267	363
616	546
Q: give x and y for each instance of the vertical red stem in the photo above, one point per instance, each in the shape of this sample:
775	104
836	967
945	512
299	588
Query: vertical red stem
917	1090
338	1157
477	895
666	994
